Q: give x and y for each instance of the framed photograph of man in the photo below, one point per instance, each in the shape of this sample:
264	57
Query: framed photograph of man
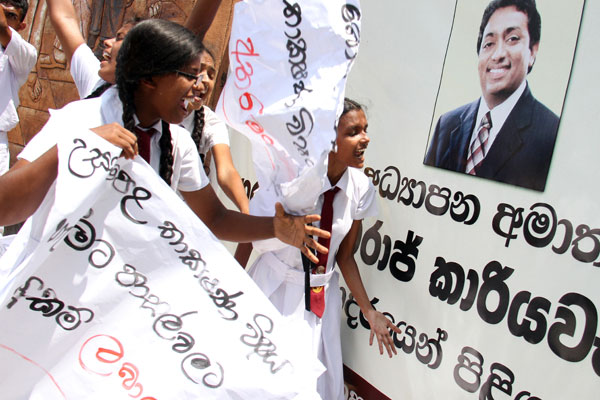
502	90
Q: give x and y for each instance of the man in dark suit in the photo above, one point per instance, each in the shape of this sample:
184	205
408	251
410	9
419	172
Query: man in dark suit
506	135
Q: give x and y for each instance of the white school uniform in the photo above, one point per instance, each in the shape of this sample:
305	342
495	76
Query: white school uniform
188	174
16	61
215	130
279	273
84	70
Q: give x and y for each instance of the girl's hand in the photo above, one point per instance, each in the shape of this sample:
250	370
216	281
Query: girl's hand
296	231
120	137
380	326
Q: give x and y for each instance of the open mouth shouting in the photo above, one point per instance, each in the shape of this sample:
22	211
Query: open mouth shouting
360	153
195	102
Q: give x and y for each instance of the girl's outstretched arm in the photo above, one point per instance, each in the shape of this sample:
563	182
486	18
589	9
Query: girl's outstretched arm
237	227
66	25
202	16
380	325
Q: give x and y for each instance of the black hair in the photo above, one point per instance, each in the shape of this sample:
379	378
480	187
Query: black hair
99	90
534	21
153	47
350	105
209	51
133	21
22	5
198	129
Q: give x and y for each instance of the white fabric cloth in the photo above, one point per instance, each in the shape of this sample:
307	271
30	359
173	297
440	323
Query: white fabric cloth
215	130
285	94
279	274
188	174
16	61
84	70
184	291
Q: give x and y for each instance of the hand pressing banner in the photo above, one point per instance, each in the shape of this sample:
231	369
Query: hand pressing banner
115	289
288	66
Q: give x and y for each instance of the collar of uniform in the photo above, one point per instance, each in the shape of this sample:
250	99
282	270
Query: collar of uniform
188	121
157	127
343	184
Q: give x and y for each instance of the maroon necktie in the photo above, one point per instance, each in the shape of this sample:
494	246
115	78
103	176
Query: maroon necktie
317	294
144	139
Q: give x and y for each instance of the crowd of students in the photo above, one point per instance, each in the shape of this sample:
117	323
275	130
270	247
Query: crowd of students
153	81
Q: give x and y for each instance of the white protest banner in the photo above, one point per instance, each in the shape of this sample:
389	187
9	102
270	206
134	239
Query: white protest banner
118	290
288	66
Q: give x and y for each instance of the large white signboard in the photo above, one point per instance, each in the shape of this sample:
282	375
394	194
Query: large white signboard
494	285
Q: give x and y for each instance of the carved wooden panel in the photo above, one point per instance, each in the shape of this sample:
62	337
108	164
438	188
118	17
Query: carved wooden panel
50	85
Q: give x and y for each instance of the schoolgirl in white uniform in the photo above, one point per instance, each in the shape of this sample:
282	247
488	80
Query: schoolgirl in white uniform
212	138
280	275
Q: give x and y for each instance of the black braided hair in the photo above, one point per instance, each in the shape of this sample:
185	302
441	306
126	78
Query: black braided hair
165	168
153	47
198	128
99	90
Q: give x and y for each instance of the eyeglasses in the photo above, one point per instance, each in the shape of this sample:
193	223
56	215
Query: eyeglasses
196	78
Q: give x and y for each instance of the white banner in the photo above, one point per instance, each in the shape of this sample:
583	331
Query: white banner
288	66
115	289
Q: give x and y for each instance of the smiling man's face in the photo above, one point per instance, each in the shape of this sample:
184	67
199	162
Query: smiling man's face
505	55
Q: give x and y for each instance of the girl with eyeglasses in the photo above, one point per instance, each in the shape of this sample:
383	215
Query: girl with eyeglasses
150	95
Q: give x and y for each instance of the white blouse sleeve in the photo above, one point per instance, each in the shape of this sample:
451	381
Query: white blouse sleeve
367	200
215	130
22	57
84	70
187	167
